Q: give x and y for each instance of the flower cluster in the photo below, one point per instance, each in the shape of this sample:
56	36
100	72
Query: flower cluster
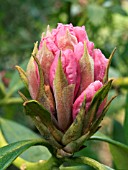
68	81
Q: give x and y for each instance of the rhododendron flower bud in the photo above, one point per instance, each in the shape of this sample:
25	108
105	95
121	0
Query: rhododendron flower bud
68	82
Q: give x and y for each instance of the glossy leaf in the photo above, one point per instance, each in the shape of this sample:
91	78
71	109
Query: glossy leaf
34	108
18	132
75	130
32	156
59	83
10	152
119	151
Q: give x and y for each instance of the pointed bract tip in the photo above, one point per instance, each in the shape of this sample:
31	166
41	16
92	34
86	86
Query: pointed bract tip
35	49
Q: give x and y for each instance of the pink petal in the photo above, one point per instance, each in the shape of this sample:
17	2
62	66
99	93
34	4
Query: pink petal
78	50
61	29
90	47
53	69
45	57
100	65
67	41
81	36
70	67
62	39
80	33
101	107
33	78
89	93
50	44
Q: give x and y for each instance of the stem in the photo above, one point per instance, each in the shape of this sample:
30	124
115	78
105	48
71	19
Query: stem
42	164
121	82
88	161
13	89
2	88
12	100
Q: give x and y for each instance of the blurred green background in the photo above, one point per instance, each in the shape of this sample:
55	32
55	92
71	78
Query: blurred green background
22	23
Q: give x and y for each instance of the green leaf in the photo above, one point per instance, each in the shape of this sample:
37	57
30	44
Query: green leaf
67	100
95	126
36	157
75	130
75	145
119	151
10	152
59	83
118	132
86	70
117	8
23	75
95	103
96	14
45	133
126	120
108	66
18	132
34	108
